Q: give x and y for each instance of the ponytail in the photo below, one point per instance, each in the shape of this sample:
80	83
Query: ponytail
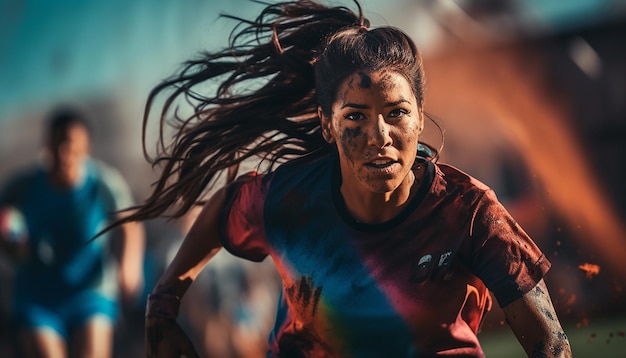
263	104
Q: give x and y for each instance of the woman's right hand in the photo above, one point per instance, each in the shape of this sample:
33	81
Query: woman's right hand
166	339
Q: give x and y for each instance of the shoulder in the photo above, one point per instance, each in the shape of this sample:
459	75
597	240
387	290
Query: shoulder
101	169
308	168
24	173
247	189
254	186
458	177
111	185
308	162
105	174
458	185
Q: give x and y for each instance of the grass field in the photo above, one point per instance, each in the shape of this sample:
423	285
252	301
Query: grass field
599	339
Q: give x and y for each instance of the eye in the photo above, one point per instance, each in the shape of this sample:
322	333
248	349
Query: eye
354	116
398	112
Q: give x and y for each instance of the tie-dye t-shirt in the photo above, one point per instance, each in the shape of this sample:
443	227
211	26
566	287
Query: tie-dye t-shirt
415	286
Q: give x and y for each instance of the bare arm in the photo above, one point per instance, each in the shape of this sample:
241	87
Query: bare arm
198	247
164	337
131	260
535	324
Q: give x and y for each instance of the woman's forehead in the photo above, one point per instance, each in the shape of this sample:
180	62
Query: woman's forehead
379	81
384	78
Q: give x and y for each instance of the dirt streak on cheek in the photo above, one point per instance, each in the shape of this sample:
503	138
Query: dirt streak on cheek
350	138
410	131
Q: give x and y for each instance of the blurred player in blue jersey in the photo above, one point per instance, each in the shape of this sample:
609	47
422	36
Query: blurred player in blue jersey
67	289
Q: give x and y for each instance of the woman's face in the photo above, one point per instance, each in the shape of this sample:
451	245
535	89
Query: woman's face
376	122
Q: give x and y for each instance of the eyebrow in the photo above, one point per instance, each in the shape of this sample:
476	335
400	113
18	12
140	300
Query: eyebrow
364	106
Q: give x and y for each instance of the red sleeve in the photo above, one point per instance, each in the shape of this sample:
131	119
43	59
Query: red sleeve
241	227
505	258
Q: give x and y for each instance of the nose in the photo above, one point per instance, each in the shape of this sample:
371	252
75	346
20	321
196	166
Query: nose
379	133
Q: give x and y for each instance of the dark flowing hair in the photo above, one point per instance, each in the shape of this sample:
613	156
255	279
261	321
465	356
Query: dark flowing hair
269	82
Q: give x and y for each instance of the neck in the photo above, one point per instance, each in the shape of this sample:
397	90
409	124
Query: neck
64	178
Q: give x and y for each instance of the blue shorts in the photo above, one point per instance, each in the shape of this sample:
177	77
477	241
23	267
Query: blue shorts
65	315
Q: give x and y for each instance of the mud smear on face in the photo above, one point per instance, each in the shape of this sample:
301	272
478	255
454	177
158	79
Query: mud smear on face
366	80
350	138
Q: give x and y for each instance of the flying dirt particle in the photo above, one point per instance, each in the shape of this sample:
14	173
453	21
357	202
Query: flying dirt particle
589	269
582	323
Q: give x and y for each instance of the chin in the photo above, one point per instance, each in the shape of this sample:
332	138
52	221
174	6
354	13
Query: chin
383	187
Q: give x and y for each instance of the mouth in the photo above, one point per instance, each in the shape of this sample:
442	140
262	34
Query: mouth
381	163
384	166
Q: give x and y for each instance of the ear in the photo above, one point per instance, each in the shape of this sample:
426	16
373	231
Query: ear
420	125
325	123
322	116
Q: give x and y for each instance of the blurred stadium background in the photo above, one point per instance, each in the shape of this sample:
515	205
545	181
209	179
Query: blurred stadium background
531	95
